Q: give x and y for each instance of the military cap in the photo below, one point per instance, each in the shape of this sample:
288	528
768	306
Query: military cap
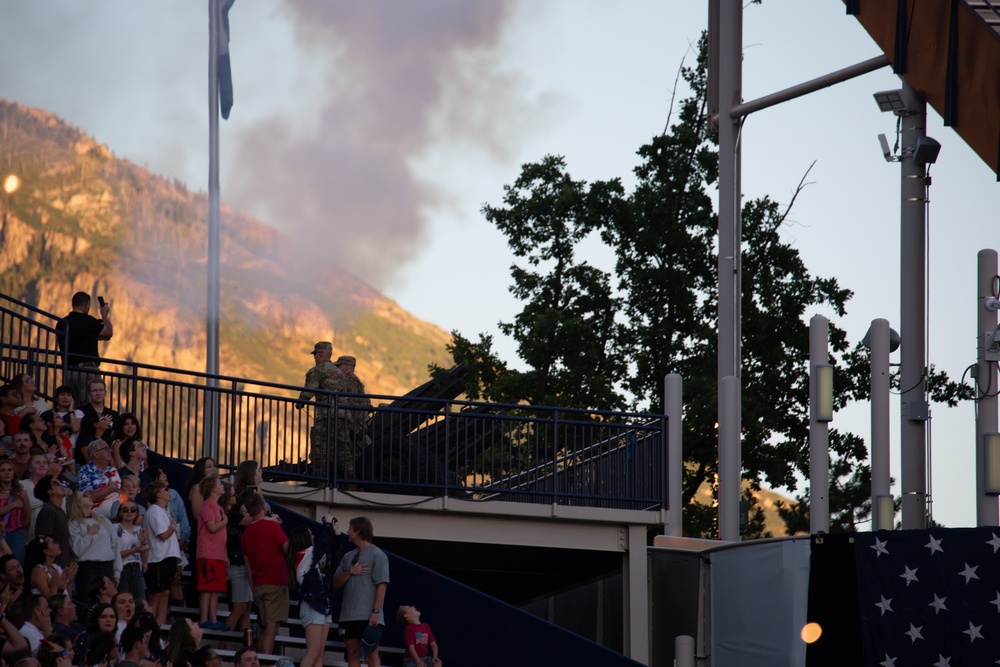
322	345
345	359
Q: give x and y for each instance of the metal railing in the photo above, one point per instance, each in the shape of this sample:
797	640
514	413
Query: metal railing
425	446
28	344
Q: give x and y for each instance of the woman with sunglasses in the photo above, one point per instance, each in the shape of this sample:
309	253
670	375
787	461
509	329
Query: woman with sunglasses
134	545
46	577
25	384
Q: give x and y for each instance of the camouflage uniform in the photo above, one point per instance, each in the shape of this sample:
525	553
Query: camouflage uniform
355	421
352	422
325	375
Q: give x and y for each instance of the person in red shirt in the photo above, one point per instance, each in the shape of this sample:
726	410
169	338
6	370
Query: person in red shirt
265	548
421	647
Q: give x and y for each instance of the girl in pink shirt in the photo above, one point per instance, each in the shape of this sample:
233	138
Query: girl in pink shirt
212	557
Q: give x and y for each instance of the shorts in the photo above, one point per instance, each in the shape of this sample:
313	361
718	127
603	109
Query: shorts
426	661
237	575
211	575
310	616
272	603
160	575
370	635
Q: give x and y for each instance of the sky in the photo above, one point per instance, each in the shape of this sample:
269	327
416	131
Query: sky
378	130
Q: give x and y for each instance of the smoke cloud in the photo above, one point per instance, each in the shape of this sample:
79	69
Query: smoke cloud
394	76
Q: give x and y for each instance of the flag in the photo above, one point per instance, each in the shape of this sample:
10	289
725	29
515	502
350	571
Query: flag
929	597
224	71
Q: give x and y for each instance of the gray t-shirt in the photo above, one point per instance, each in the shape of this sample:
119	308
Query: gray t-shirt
359	592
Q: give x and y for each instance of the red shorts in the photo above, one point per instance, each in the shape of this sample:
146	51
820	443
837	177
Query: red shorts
211	575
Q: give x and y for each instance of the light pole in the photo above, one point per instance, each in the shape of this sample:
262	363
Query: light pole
10	185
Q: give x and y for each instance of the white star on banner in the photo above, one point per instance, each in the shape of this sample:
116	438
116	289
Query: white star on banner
969	573
997	603
885	605
942	661
914	633
909	575
938	604
934	545
973	632
888	662
880	549
995	542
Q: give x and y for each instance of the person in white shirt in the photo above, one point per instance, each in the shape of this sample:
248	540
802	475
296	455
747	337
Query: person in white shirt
164	549
37	623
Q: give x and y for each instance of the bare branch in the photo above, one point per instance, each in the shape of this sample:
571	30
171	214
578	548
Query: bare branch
673	93
802	186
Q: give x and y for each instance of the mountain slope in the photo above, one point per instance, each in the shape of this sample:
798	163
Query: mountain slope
86	220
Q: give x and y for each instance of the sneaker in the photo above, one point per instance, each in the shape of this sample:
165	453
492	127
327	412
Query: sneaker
207	625
224	627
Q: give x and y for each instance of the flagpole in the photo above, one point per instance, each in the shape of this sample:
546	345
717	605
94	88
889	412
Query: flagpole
211	428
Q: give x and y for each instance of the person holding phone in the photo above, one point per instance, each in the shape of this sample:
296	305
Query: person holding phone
79	333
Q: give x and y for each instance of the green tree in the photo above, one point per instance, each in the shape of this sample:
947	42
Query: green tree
566	330
578	329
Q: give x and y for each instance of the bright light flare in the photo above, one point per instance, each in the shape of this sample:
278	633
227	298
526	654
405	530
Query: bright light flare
811	632
11	184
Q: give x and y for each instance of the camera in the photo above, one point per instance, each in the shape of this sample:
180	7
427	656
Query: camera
100	300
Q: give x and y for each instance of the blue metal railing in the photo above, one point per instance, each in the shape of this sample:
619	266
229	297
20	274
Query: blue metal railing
425	446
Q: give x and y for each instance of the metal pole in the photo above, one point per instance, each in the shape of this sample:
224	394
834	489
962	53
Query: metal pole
212	322
819	432
730	94
811	86
730	489
684	651
987	511
674	402
879	343
912	278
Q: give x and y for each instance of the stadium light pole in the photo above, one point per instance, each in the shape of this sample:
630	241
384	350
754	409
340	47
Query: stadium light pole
727	111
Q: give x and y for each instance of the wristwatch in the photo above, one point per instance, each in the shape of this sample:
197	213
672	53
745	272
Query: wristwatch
375	610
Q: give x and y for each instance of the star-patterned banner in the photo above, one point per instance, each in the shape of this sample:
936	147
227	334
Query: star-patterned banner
929	597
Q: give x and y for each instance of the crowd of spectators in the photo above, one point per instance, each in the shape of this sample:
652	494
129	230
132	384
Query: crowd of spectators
92	542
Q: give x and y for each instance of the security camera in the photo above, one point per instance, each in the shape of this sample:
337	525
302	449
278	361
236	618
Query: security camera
886	151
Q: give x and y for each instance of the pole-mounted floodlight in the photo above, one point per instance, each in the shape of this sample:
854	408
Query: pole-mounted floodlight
891	100
991	443
824	392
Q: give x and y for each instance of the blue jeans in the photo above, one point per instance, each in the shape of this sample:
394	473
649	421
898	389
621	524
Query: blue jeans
15	540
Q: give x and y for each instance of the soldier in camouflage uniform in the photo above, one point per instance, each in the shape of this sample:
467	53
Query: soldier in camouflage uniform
327	376
352	423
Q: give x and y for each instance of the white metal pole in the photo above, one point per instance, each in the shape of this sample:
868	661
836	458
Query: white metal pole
913	317
674	402
987	511
211	416
879	345
730	94
684	651
819	431
730	479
